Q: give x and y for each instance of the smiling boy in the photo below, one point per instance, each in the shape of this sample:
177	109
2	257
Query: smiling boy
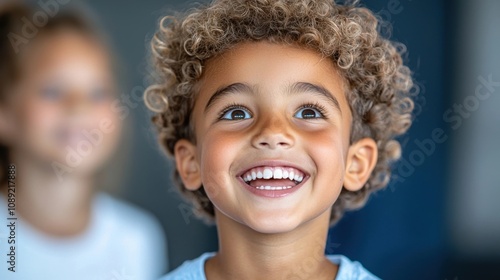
280	115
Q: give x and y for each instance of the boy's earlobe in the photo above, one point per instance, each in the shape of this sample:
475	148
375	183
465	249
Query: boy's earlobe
187	165
361	159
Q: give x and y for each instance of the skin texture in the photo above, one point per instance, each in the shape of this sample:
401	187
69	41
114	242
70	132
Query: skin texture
268	236
66	86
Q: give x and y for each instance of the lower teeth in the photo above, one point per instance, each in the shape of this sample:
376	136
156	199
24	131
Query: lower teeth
273	188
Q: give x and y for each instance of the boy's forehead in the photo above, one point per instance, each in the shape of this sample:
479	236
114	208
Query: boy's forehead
264	64
247	51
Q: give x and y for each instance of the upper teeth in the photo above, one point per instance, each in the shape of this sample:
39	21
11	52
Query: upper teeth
274	173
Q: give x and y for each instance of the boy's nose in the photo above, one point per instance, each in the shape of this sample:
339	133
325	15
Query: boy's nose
273	134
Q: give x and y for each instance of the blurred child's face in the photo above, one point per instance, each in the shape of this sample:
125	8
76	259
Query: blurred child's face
272	146
60	110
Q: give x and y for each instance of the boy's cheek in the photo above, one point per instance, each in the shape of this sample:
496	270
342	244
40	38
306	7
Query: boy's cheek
218	153
221	142
328	154
325	142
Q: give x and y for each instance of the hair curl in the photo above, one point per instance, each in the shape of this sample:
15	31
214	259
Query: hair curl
378	85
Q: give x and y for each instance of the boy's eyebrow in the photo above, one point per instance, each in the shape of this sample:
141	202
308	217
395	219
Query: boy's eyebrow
232	88
299	87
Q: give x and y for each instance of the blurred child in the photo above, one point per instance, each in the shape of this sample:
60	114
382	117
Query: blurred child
58	127
281	115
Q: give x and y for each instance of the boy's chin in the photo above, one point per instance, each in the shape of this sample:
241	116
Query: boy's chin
273	225
283	222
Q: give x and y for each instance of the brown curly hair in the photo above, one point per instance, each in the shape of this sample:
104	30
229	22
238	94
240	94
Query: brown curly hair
379	86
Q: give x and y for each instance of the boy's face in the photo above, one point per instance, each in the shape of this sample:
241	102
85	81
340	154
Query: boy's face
275	110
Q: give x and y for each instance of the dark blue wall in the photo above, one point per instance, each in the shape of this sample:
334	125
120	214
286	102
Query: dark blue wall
400	233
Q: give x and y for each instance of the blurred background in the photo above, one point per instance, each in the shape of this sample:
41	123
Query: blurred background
439	218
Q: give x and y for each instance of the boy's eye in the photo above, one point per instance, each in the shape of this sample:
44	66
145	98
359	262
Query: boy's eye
308	113
236	114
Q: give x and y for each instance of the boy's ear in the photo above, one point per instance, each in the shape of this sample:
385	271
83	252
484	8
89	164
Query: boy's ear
361	159
187	165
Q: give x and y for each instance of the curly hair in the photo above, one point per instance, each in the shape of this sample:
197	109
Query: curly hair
378	85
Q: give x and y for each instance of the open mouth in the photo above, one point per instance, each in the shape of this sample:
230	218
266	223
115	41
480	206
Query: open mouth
273	178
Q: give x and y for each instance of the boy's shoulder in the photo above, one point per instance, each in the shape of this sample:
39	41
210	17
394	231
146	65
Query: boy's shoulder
194	269
350	269
190	270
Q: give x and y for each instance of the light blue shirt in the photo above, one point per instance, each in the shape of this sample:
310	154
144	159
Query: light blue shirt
195	269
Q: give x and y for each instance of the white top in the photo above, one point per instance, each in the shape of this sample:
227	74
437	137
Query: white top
122	242
195	269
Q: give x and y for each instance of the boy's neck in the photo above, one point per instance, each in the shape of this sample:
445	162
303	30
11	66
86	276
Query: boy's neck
54	207
247	254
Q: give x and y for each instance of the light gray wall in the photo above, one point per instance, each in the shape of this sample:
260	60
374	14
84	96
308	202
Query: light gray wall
475	171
